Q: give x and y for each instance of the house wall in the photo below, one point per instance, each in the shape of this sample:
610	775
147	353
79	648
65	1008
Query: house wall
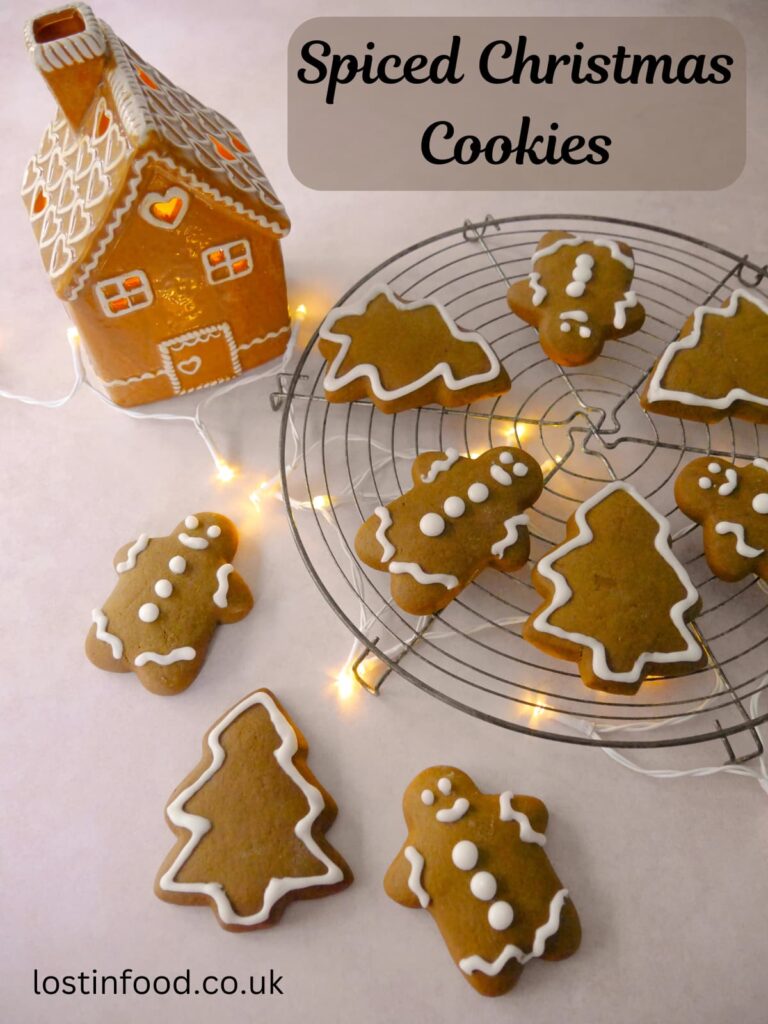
254	305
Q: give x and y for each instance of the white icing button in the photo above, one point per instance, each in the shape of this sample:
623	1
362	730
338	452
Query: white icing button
520	469
506	458
214	531
431	524
444	785
565	327
464	855
715	467
427	797
500	915
501	476
760	504
585	332
454	507
483	885
163	588
177	564
191	522
705	483
148	612
477	493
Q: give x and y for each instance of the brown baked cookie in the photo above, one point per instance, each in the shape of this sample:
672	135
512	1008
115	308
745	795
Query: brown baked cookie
476	862
461	515
617	601
249	822
403	355
731	503
718	366
578	295
171	594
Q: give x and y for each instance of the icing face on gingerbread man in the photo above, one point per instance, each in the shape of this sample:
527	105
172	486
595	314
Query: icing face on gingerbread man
477	863
578	295
731	504
460	516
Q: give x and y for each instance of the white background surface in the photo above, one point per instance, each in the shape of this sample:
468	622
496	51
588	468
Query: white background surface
670	878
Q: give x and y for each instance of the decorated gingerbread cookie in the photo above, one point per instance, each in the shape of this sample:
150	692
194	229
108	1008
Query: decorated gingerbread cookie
617	600
171	594
461	515
476	862
403	355
731	503
250	822
578	295
718	366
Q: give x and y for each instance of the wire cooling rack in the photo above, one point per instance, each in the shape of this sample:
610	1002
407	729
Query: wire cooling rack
586	428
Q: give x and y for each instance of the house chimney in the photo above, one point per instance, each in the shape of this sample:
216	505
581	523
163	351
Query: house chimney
68	47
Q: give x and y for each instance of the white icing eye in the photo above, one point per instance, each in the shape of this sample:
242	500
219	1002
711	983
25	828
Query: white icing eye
500	915
477	493
483	885
565	327
177	564
501	476
464	855
163	588
585	332
715	467
191	522
214	531
431	524
506	458
705	483
520	469
427	797
454	507
760	504
148	612
444	785
731	483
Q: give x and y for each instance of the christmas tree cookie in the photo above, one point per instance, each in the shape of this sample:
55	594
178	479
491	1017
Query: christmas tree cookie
171	594
579	295
477	863
731	503
617	601
461	515
403	355
250	822
718	366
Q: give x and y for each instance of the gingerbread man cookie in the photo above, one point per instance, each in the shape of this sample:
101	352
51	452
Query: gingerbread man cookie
403	355
617	600
461	515
476	862
731	503
250	822
718	366
171	594
578	294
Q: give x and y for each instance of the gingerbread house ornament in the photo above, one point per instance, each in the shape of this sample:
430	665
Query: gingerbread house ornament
155	221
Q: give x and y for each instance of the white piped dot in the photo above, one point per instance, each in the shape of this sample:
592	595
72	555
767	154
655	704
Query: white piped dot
444	785
760	504
464	855
454	507
177	564
565	327
483	885
427	797
477	493
705	483
520	469
163	588
585	332
715	467
148	612
501	476
500	915
214	531
191	522
431	524
506	458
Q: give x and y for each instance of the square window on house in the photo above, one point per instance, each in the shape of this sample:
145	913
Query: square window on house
124	294
225	262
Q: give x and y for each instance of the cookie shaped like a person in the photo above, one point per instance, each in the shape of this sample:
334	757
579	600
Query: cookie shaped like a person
477	862
250	822
718	366
403	355
171	594
461	515
616	599
731	504
578	295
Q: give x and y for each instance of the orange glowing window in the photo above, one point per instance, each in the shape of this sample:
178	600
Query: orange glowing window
146	78
221	149
40	202
238	144
102	124
124	294
225	262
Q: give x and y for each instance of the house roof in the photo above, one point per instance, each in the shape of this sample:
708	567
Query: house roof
83	180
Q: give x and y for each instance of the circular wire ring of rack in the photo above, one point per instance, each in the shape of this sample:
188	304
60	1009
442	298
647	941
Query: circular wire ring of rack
585	425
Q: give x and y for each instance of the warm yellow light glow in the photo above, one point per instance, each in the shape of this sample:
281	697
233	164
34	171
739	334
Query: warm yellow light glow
225	472
321	501
300	312
345	683
549	464
518	432
73	336
538	710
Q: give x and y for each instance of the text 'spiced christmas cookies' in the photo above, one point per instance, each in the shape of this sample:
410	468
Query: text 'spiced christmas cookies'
403	355
461	515
171	594
617	600
718	366
731	503
578	295
250	822
476	862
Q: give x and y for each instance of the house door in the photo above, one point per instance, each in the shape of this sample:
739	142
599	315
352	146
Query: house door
201	357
